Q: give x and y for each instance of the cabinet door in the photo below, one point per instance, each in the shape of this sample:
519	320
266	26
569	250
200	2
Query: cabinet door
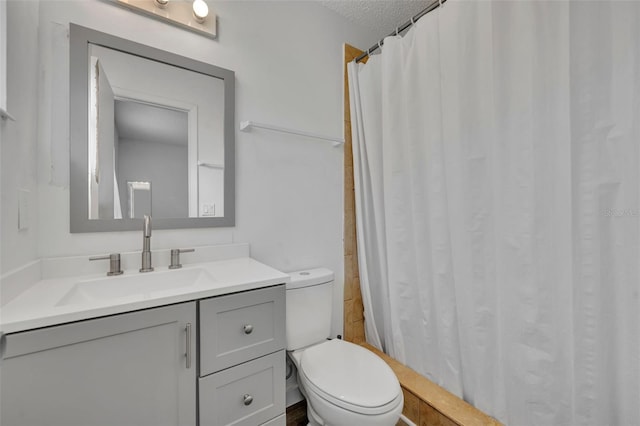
127	369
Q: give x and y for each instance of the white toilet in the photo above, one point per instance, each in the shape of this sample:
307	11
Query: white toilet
344	384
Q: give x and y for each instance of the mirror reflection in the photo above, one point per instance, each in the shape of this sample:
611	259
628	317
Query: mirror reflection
139	199
156	139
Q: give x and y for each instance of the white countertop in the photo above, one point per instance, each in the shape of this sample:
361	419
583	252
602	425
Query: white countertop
39	305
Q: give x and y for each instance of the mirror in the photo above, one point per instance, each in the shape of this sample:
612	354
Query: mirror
151	133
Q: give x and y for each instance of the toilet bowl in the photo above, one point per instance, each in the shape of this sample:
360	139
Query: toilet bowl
343	383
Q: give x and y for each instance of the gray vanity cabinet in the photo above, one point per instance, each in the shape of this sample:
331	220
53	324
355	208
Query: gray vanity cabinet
141	368
128	369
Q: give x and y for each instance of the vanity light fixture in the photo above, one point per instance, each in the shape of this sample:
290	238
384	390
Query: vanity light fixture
192	15
200	10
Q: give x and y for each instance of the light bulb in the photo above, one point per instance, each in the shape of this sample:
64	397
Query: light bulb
200	10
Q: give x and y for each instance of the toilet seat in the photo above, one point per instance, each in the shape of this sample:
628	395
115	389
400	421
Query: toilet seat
350	377
369	411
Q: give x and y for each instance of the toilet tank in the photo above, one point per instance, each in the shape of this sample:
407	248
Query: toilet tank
309	305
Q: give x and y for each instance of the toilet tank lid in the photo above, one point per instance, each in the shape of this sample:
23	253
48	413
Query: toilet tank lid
309	277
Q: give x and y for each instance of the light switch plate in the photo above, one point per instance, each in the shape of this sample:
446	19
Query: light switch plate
208	210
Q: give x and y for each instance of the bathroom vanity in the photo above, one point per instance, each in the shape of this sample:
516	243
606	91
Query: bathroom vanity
208	350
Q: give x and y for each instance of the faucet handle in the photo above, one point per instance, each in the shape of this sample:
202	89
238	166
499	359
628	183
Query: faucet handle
175	257
114	263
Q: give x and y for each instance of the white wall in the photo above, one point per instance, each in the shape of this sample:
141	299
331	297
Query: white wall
288	62
3	55
19	138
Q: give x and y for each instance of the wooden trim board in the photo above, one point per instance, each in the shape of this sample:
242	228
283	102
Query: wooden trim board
426	403
353	307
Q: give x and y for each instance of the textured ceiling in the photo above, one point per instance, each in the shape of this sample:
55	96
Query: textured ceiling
382	16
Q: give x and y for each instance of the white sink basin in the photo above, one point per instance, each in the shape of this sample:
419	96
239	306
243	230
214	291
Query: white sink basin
146	285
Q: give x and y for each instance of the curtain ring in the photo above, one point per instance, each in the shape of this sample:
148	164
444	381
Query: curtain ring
396	31
440	2
412	20
380	45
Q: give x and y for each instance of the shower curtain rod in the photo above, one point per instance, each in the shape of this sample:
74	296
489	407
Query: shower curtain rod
432	6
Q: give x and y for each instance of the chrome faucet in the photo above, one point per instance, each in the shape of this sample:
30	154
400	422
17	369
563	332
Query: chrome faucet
146	245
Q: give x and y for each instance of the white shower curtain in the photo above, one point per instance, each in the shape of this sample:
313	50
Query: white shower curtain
496	156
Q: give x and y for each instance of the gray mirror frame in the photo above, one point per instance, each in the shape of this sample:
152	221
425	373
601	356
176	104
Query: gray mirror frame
79	40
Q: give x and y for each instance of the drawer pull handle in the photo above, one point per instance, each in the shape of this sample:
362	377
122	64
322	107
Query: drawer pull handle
248	399
248	329
188	332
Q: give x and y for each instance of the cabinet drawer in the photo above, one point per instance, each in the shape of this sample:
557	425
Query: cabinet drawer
278	421
240	327
248	394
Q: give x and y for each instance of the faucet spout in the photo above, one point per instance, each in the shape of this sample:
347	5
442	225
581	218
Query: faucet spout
146	245
146	230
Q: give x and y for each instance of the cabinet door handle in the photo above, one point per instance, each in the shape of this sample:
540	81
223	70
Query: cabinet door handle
3	344
248	329
188	330
248	399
